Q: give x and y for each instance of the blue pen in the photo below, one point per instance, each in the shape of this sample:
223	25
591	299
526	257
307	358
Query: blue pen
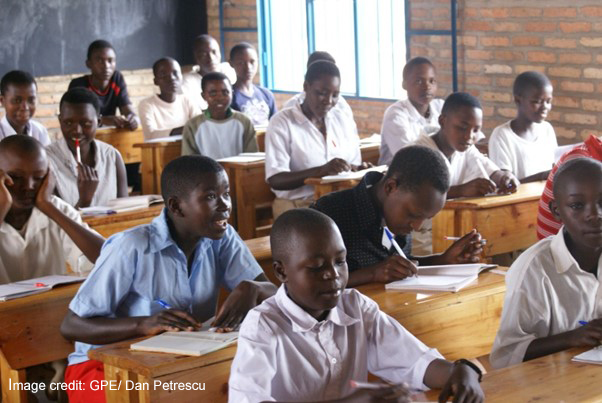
583	322
394	243
164	304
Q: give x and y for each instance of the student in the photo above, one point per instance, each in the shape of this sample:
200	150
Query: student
547	224
471	173
254	101
39	233
525	145
100	175
310	340
412	191
182	258
341	104
309	140
108	84
219	131
554	285
18	96
208	58
166	113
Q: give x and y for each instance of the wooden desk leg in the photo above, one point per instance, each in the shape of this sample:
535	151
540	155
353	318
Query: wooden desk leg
11	376
444	224
148	171
120	395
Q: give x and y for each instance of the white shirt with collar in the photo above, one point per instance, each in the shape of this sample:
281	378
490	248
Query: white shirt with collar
285	354
293	143
33	128
191	82
43	250
159	118
341	104
546	294
463	166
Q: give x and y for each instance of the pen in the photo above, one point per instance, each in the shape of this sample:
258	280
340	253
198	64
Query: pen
394	243
163	303
78	152
456	238
583	322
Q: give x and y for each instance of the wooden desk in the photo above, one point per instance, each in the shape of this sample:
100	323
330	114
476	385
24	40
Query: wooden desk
553	378
124	141
507	222
154	157
370	152
321	189
107	225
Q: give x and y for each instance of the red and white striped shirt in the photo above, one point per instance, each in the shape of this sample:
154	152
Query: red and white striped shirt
546	223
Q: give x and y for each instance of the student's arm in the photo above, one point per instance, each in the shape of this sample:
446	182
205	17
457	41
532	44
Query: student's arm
294	180
475	188
540	176
249	139
505	181
189	146
6	200
391	269
122	180
87	182
87	241
396	131
457	380
467	249
128	113
149	124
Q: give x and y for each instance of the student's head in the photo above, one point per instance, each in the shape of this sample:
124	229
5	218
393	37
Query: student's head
168	75
533	95
217	91
101	59
243	58
79	115
461	120
206	53
420	80
23	158
197	195
322	87
578	200
320	55
309	256
415	188
18	97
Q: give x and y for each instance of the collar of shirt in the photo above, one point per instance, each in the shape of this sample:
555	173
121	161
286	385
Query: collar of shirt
8	130
161	237
594	145
302	321
208	114
36	222
415	115
370	217
562	256
300	117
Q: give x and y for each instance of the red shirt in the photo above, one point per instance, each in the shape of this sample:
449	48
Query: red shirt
546	223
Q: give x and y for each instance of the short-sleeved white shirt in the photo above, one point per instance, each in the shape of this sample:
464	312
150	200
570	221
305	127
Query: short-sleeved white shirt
293	143
341	104
43	250
285	354
520	156
191	82
159	118
547	293
34	129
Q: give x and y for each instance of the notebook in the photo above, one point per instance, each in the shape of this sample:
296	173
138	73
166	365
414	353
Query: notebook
352	175
186	343
593	356
244	157
430	283
123	204
467	269
35	286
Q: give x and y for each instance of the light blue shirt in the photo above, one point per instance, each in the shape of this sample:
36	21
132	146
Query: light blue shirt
141	265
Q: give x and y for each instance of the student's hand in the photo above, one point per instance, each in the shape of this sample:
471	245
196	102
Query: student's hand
463	385
131	121
177	130
393	268
241	300
169	320
506	182
363	165
467	249
44	195
477	187
87	182
6	200
386	393
334	166
588	335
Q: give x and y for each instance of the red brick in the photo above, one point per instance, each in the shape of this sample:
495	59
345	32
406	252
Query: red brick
480	80
508	55
525	12
498	69
586	133
580	118
526	41
591	42
469	12
570	27
559	12
574	58
494	41
507	112
507	27
420	12
497	96
440	12
504	82
541	57
467	40
591	11
479	54
494	12
592	105
577	86
564	132
521	68
566	102
570	72
540	26
563	43
476	25
592	72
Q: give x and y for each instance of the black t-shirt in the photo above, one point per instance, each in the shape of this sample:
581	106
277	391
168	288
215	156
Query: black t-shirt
360	223
115	96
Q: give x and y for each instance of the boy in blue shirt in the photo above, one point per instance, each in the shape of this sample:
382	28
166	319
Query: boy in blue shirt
182	258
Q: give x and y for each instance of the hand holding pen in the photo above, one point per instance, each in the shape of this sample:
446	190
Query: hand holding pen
396	267
168	320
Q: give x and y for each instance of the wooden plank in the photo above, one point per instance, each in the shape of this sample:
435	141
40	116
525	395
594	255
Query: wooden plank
370	153
118	390
10	376
260	136
107	225
526	192
443	225
123	140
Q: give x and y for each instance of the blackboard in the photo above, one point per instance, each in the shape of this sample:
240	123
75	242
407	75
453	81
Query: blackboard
51	37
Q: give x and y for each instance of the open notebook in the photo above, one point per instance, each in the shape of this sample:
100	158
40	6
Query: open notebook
244	157
451	277
352	175
35	286
593	356
123	204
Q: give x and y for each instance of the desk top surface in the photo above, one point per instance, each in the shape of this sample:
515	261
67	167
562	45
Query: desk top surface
103	219
525	192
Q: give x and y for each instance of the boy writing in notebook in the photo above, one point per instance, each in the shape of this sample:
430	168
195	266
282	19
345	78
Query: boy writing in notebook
39	233
471	173
18	97
219	131
108	84
553	298
525	145
182	258
413	190
310	340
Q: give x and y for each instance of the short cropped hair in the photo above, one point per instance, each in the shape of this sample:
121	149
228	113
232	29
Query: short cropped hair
16	77
80	95
204	38
321	68
528	80
161	60
413	63
414	166
582	167
296	221
213	76
239	48
182	175
459	99
320	55
26	145
97	45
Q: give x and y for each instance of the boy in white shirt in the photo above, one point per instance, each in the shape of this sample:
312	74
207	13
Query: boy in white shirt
553	298
39	233
525	145
166	113
18	96
310	340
